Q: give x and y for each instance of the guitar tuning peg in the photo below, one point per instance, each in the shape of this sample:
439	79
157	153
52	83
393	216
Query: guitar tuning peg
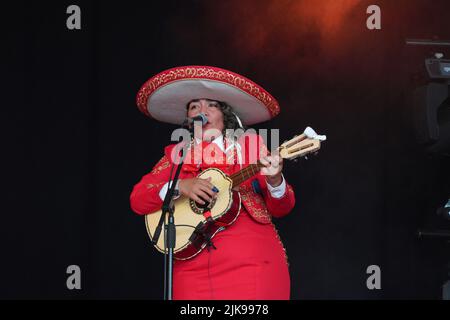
306	157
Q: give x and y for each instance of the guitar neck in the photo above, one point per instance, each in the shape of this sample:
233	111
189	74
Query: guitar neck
297	147
246	173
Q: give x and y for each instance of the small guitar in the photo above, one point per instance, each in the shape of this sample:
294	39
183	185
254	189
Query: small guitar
194	229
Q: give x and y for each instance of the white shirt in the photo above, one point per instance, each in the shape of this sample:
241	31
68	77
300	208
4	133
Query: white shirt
276	192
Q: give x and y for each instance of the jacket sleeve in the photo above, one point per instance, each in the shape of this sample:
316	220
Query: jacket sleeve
277	207
144	198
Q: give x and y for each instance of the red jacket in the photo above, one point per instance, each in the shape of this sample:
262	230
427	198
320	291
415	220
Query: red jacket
258	201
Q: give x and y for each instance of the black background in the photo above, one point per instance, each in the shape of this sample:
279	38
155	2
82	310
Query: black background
75	142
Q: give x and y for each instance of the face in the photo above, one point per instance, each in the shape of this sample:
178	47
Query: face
215	126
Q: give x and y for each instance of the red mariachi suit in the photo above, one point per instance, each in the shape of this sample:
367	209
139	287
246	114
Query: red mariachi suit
250	262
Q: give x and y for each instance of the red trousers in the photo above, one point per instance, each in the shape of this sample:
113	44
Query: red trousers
249	264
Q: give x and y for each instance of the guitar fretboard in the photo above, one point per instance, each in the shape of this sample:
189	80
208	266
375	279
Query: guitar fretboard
245	173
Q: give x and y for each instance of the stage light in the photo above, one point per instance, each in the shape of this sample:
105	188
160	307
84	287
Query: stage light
446	290
431	102
444	211
431	107
438	68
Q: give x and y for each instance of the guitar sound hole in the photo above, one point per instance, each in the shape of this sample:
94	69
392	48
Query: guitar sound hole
200	208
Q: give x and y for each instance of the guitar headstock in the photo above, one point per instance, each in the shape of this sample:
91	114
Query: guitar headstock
299	146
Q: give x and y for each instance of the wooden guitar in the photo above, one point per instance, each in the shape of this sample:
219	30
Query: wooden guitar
194	228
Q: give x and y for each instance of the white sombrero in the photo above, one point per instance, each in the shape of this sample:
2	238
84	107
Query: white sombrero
164	97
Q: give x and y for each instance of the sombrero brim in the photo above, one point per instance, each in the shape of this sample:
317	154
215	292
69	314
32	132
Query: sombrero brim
164	97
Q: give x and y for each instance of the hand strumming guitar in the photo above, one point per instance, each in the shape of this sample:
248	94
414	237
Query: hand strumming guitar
197	189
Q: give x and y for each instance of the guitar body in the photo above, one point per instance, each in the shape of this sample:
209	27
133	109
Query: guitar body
196	225
193	230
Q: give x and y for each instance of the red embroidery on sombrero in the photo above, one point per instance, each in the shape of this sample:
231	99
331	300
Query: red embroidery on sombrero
205	72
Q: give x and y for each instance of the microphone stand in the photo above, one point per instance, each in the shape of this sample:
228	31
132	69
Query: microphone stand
168	209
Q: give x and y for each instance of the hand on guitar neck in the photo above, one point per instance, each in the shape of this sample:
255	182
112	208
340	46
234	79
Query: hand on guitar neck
273	166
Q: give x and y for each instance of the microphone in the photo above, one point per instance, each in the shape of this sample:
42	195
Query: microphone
201	117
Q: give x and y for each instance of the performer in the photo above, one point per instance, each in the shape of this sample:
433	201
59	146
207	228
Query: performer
248	260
